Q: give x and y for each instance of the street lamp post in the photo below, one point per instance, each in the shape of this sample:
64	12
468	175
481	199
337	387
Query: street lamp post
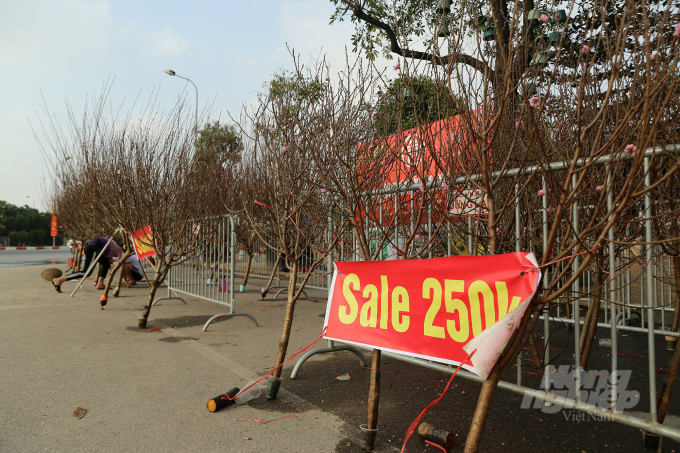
28	196
172	73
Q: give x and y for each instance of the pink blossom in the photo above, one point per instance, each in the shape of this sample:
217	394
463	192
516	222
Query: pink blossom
534	101
118	172
585	49
323	190
676	33
519	123
77	184
417	237
544	18
630	149
654	56
599	187
560	123
444	186
541	192
285	148
396	66
498	231
421	187
104	178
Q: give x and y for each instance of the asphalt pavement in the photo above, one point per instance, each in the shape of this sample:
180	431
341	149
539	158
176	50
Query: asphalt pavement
146	390
11	257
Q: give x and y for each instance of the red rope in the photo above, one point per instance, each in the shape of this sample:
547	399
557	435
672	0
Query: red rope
228	398
259	420
414	425
436	446
566	258
262	204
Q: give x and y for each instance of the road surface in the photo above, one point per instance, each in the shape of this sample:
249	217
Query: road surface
13	257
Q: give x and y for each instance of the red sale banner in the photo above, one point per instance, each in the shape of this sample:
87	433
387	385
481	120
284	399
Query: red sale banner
438	309
141	239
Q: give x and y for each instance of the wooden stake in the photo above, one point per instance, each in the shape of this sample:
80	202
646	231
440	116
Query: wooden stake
374	394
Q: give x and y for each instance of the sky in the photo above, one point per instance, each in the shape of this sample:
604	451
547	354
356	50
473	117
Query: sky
54	52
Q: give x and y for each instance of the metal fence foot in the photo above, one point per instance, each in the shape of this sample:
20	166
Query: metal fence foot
308	354
168	298
286	289
226	315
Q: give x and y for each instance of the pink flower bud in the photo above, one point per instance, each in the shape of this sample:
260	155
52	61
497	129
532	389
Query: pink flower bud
630	149
541	192
544	18
585	49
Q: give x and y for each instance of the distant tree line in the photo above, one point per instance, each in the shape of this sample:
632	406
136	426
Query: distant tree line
25	226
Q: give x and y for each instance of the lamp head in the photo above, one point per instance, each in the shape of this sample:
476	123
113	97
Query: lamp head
170	72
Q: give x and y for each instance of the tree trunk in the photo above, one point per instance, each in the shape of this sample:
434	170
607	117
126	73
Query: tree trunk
586	327
271	277
537	358
374	394
121	263
676	272
250	260
157	280
288	321
588	337
663	399
482	411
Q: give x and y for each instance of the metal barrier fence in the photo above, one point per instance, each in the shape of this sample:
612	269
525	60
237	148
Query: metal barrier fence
210	275
264	259
655	299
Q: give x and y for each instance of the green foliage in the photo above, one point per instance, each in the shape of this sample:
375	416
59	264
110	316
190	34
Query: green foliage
219	142
289	97
412	101
301	90
411	19
24	225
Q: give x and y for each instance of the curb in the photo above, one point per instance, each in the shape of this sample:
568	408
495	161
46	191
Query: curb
31	248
